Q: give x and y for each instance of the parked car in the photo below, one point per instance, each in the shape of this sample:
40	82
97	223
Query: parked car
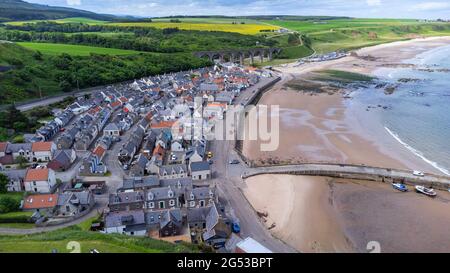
418	173
235	228
234	162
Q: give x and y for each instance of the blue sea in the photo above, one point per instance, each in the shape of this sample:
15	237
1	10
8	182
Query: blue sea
417	114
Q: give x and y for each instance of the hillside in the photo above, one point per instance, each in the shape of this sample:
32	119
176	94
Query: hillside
15	10
104	243
25	73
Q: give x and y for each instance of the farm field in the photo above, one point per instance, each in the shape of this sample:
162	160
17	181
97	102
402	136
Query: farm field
75	50
62	21
347	34
249	29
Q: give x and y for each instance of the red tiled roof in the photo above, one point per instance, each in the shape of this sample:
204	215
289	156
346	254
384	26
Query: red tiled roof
3	146
36	175
41	146
123	99
99	151
163	124
158	150
40	201
149	116
116	103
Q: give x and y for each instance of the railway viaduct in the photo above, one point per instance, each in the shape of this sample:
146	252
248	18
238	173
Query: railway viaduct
234	55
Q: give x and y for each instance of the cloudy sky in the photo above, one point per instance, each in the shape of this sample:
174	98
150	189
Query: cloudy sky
354	8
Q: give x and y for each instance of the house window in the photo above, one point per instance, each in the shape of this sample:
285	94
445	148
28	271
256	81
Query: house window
202	203
172	202
67	209
192	204
161	204
34	183
151	205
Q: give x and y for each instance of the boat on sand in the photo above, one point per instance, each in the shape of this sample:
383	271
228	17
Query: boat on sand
427	191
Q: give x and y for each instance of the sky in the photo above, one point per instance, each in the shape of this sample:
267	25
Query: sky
418	9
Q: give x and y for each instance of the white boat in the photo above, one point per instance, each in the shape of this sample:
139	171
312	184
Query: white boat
426	191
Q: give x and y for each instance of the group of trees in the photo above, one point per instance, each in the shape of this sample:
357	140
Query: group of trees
96	70
12	119
148	39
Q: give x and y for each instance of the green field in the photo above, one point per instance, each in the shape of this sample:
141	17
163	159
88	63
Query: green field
61	21
75	50
347	34
105	243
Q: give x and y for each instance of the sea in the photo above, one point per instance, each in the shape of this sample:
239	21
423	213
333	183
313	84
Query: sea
417	113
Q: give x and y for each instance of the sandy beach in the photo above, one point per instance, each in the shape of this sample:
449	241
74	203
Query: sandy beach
323	128
315	214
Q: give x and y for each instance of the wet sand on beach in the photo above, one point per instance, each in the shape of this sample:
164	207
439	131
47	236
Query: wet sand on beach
323	128
317	214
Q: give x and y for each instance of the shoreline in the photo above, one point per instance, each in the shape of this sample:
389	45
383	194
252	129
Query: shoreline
331	128
323	215
317	214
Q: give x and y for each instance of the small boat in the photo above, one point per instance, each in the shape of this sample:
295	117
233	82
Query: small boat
400	187
426	191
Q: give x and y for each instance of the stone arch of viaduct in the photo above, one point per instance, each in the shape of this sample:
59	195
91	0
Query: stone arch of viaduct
238	55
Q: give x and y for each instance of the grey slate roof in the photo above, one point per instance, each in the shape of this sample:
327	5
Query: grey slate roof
197	214
127	218
173	215
200	166
111	127
126	197
15	174
200	192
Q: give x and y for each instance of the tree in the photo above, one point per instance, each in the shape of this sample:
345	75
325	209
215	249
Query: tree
8	204
22	161
3	183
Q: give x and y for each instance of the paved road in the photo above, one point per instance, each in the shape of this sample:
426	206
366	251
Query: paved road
101	202
229	184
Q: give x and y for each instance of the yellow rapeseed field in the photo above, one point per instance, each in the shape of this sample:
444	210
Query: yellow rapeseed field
250	29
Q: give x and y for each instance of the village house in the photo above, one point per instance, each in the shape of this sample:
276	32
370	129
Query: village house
125	201
200	170
40	180
208	224
73	203
138	168
161	198
140	183
13	151
196	153
66	140
171	223
173	171
200	197
15	180
3	146
45	204
62	160
131	223
43	151
111	130
217	228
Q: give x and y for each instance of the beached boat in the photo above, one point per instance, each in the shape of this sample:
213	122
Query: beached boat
400	187
426	191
